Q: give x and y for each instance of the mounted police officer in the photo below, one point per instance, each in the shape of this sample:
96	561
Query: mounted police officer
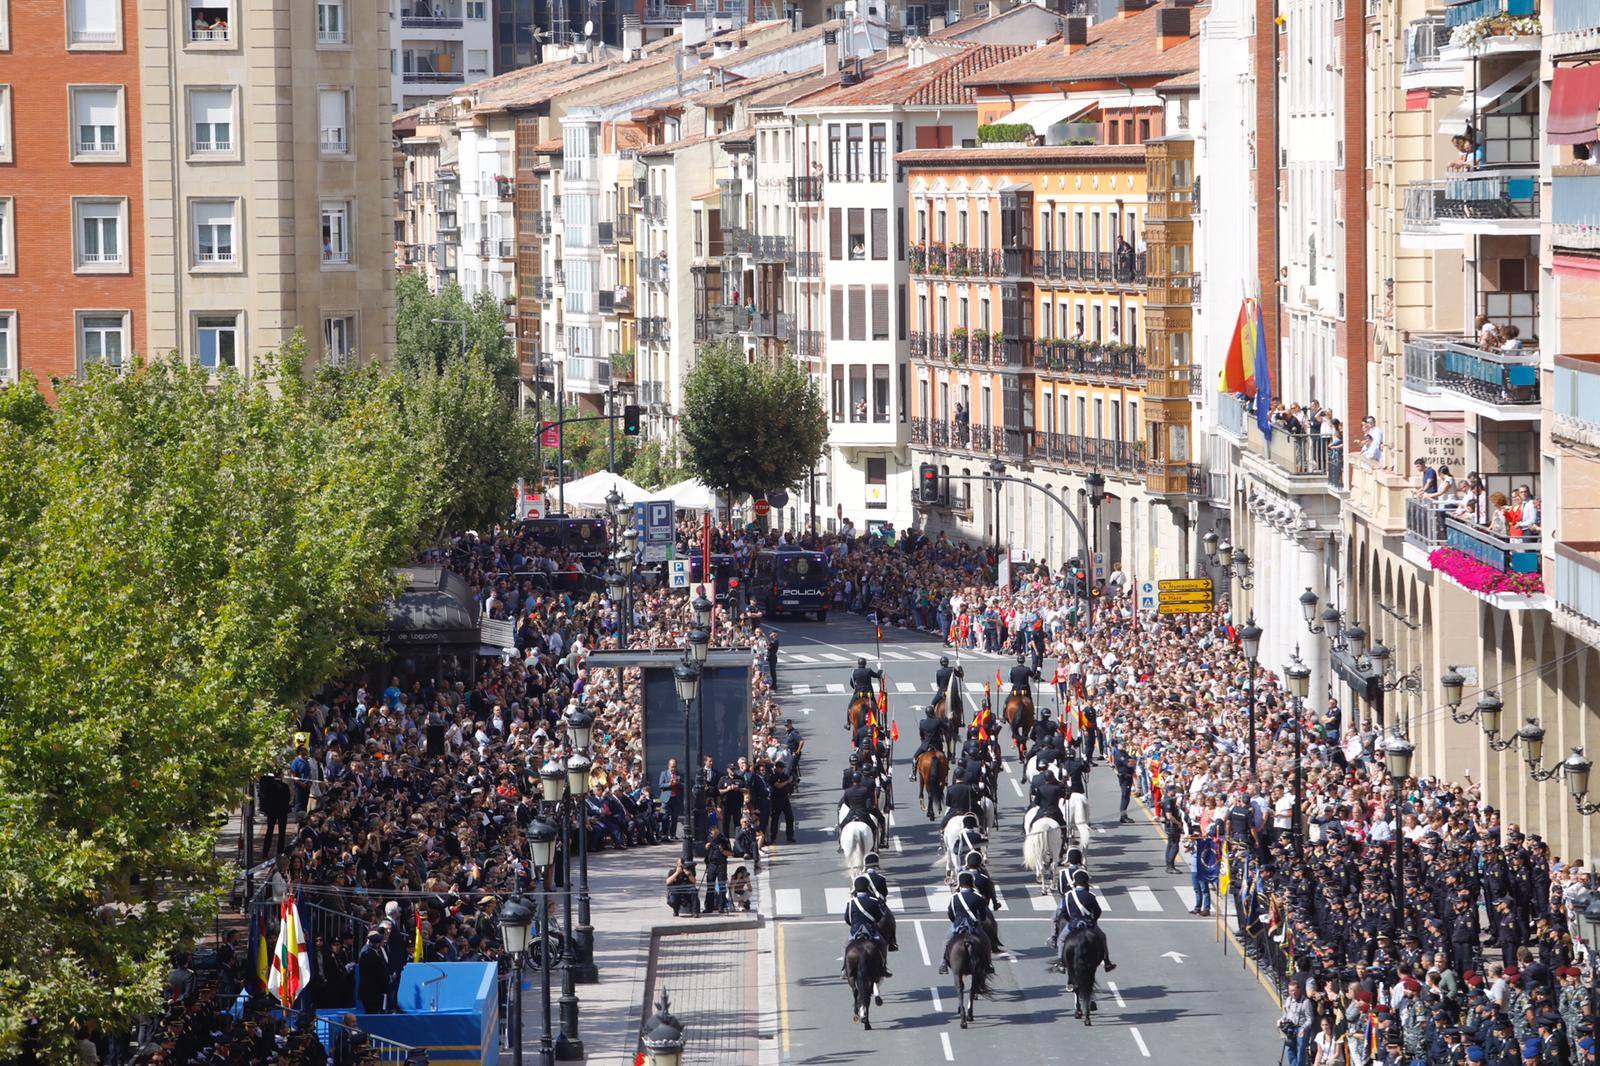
968	913
930	736
860	803
941	684
878	885
1046	794
1047	743
985	886
960	800
1022	675
861	678
865	914
1079	910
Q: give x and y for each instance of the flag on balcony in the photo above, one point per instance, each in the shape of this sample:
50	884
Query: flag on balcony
1237	369
1263	372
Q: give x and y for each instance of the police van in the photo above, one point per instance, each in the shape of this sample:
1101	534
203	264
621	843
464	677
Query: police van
785	581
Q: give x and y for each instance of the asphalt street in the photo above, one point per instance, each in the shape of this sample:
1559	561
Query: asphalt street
1175	996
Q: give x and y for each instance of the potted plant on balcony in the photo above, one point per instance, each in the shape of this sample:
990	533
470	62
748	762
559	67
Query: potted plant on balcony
958	345
1060	353
980	344
1471	34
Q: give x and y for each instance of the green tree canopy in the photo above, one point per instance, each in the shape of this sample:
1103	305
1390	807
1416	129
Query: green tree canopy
748	428
427	336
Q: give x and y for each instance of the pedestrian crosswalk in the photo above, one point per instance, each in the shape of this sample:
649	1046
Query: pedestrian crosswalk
830	900
904	688
904	654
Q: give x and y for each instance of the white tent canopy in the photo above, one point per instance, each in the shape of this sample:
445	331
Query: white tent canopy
591	491
691	494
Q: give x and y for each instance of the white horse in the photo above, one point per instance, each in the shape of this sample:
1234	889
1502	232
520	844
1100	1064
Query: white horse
955	849
1041	847
856	840
1078	818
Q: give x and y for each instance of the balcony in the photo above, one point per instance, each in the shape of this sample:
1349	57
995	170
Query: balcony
808	343
1574	27
1095	269
653	208
624	228
1506	383
738	242
448	223
433	63
1378	494
1486	202
544	288
1473	10
430	16
653	270
654	330
807	190
1575	208
808	264
956	261
1232	416
543	224
1089	359
207	25
621	299
1576	404
497	248
1480	559
772	250
1424	353
775	325
1115	457
1173	479
606	234
1424	68
1577	580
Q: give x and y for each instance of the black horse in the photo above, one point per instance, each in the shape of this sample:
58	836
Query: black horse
1082	952
864	965
968	955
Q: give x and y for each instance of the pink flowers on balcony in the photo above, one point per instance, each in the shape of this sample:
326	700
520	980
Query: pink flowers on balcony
1475	576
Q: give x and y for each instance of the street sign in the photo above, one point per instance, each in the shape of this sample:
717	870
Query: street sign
550	434
678	573
1183	608
1147	595
1186	584
778	498
656	521
1185	597
761	507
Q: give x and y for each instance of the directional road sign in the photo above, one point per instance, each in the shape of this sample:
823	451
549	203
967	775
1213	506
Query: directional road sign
1183	608
1186	584
1185	597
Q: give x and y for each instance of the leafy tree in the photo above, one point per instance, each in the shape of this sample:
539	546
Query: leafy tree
427	336
182	560
588	446
655	466
748	428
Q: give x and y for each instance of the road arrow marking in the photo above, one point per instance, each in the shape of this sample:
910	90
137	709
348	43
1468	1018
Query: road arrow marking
1175	956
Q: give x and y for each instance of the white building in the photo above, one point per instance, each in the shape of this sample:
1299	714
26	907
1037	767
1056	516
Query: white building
436	47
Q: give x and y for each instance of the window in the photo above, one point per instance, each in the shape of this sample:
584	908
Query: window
330	21
333	111
8	330
217	341
858	313
833	151
858	393
880	233
94	24
338	339
877	481
880	312
880	392
211	121
8	260
878	158
214	232
477	9
99	229
102	339
210	21
478	61
5	104
858	232
96	122
853	151
336	231
838	392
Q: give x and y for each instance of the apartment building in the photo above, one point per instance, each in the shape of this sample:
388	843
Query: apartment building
437	46
221	174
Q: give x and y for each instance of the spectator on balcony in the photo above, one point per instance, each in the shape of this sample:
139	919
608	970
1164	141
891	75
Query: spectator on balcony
1471	153
1371	440
1499	514
1528	511
1428	485
1511	339
1124	257
1587	155
1488	332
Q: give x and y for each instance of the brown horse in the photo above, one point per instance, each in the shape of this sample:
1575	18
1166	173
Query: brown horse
1019	716
861	707
932	771
953	722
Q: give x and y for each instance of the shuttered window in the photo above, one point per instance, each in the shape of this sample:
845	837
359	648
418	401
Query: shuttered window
858	312
835	233
836	299
880	233
880	312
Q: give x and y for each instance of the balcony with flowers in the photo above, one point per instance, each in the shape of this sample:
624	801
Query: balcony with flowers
1096	360
956	261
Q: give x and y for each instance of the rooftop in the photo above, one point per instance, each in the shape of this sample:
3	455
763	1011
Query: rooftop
942	81
1120	48
1059	155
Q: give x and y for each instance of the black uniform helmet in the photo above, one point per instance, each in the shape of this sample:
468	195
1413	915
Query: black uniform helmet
969	821
855	758
944	660
1080	878
871	859
861	884
1021	658
861	664
1074	856
856	778
965	879
974	860
1044	713
930	710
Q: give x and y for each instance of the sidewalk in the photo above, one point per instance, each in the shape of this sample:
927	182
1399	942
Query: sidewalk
710	967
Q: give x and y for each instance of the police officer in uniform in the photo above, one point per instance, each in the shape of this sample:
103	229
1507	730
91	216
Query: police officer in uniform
960	800
878	885
941	683
930	737
864	913
1022	676
861	678
1046	794
968	912
1079	905
860	805
985	886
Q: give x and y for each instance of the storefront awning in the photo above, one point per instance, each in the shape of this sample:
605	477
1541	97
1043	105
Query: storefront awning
1574	102
1128	100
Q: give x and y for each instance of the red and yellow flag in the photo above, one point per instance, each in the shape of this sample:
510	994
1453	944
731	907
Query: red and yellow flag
416	945
1238	365
291	962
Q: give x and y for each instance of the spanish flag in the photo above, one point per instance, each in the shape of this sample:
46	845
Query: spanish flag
1238	366
416	943
260	950
291	961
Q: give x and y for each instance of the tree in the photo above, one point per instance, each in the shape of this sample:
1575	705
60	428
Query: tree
588	445
427	336
182	560
748	428
654	466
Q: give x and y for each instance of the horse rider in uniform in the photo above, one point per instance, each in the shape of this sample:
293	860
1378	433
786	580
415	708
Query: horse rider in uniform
960	800
878	885
1047	742
1021	677
861	806
865	914
941	684
861	679
968	913
1046	795
852	770
1081	911
930	737
985	886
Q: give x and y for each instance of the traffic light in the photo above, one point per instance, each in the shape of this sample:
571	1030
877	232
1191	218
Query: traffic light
928	483
630	420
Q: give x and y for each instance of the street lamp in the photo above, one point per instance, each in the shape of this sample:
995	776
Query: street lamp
541	851
553	788
614	509
699	645
1355	639
1531	736
662	1035
580	729
515	919
1397	758
1299	677
686	676
617	593
702	608
1488	712
1250	640
1451	684
1225	555
1241	569
1577	768
1096	483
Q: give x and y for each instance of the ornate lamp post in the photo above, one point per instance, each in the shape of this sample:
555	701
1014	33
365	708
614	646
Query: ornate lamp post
662	1036
515	920
541	851
1397	759
1250	641
1299	678
580	729
686	677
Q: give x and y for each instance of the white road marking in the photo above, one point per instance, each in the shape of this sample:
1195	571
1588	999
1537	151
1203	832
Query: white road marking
1015	787
922	942
944	1041
1117	993
1137	1039
836	688
896	901
974	687
802	658
805	710
898	850
938	1004
837	898
831	657
1102	901
787	902
938	899
905	686
891	820
1144	898
926	654
897	655
1185	893
1042	903
800	690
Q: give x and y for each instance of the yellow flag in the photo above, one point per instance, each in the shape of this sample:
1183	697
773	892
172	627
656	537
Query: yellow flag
1225	878
416	944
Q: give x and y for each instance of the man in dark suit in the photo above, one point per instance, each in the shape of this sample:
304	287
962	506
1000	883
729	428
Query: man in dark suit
372	974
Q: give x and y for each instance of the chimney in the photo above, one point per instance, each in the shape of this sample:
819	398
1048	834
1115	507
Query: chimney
830	51
1076	34
1125	8
935	25
632	37
1172	27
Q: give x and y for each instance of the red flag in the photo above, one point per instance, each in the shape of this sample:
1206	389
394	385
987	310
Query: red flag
894	731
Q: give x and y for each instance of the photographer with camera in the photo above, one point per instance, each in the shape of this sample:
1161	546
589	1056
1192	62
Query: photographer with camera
1295	1024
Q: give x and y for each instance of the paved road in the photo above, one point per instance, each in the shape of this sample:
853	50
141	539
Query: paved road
1197	1006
